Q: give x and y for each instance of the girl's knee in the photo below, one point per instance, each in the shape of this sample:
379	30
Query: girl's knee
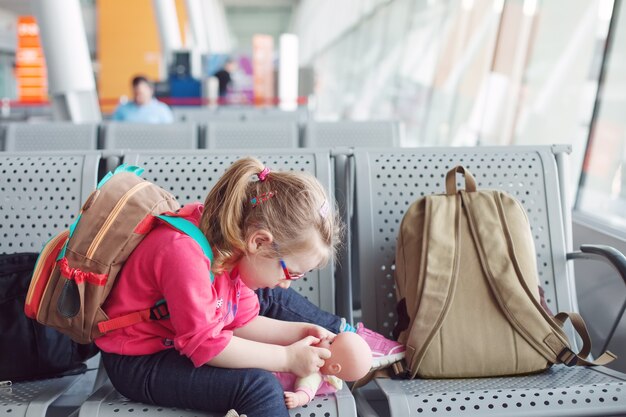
261	395
266	382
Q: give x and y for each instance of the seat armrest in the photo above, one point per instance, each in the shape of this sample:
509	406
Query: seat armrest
615	258
602	253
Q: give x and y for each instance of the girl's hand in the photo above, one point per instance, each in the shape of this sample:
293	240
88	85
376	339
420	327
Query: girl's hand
304	359
318	332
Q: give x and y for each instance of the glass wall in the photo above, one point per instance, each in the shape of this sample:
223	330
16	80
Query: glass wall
469	72
602	192
561	78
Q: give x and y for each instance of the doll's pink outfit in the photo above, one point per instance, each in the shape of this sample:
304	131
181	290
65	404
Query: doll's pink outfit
311	385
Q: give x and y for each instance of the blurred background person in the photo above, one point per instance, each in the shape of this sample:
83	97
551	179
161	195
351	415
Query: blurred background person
224	77
144	108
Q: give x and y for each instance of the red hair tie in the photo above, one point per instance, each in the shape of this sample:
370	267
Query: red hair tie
263	174
255	201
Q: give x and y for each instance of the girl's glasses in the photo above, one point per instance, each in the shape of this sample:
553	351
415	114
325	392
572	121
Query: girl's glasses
288	275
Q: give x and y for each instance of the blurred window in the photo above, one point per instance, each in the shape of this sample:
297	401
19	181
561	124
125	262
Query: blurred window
602	191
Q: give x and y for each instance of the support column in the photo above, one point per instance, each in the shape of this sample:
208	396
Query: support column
169	32
196	23
198	44
288	72
71	83
218	36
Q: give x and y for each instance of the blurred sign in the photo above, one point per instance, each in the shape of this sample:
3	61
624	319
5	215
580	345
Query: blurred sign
263	69
30	64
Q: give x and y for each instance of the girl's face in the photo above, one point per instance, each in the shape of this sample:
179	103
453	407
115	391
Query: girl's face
261	268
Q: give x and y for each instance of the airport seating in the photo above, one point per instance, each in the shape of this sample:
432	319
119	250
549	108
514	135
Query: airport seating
237	114
251	135
2	136
204	115
40	195
117	135
40	192
33	398
387	181
189	175
51	136
353	133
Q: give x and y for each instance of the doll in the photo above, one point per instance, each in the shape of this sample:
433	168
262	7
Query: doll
350	359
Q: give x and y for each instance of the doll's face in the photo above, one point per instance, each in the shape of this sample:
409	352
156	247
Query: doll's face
325	343
350	357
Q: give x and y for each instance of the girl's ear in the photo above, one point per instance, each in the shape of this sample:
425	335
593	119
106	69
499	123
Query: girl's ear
258	240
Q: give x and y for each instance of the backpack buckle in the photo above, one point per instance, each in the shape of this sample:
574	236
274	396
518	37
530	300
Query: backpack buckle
567	357
159	311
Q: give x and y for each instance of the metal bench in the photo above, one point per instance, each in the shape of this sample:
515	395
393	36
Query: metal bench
40	195
189	175
353	134
387	182
251	135
51	136
237	114
150	136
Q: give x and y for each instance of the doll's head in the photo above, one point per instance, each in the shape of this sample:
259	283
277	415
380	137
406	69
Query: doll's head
351	357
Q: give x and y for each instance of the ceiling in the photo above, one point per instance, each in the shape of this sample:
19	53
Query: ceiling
25	6
18	7
245	17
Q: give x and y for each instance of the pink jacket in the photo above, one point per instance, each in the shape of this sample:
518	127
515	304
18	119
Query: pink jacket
170	265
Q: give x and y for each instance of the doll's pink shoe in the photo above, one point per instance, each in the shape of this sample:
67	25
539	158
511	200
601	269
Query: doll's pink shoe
384	351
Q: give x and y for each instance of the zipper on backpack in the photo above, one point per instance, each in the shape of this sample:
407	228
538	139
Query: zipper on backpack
111	217
42	256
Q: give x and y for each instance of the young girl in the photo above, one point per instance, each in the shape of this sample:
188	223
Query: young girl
216	352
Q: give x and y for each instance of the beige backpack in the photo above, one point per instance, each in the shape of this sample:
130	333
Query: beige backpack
468	289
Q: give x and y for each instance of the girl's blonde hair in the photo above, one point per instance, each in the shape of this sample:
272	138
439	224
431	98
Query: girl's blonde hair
287	204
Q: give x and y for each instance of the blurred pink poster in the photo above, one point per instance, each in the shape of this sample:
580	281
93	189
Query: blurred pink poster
263	70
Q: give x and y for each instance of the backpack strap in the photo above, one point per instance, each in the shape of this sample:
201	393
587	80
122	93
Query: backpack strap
580	327
191	230
159	310
491	234
440	268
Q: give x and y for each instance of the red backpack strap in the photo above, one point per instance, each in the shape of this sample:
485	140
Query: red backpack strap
158	311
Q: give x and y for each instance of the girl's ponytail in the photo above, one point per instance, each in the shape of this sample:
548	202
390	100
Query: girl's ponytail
222	220
285	203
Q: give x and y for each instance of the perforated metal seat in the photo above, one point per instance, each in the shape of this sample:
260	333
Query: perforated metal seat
32	399
150	136
251	135
237	114
106	401
189	176
353	134
51	136
40	195
559	391
3	131
387	182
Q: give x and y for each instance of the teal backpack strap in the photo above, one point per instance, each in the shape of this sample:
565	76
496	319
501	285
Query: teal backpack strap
192	231
159	310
